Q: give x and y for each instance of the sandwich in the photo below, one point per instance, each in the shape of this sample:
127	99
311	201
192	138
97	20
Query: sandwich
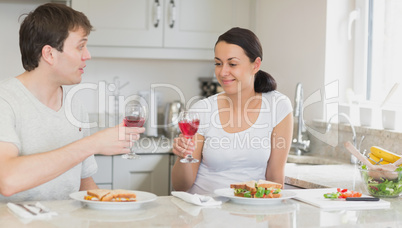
257	189
118	195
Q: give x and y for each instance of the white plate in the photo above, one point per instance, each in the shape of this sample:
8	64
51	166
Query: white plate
142	198
228	192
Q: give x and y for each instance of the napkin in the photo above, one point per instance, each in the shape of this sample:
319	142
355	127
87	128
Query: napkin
191	209
34	208
196	199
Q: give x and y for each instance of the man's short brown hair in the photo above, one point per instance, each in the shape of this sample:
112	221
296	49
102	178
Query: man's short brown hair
49	24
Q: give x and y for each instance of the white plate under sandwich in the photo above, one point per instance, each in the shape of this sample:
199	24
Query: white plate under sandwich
142	198
229	193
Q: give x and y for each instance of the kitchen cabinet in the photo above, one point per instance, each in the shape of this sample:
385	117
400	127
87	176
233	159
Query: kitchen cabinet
103	178
197	24
122	22
168	29
150	173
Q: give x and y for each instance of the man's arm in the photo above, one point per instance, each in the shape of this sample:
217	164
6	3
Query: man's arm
87	184
20	173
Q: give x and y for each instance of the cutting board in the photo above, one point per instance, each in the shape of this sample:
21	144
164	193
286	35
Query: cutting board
316	198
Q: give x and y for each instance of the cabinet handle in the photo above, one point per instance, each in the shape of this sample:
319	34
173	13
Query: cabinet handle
172	13
157	13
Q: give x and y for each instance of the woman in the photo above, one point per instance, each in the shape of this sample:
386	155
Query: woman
245	132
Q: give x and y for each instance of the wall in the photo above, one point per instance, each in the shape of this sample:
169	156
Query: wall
331	145
10	57
293	37
303	41
139	74
306	41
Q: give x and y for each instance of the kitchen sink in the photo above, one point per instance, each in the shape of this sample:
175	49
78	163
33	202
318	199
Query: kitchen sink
311	160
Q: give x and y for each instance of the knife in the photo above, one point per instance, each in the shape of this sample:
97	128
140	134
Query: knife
362	199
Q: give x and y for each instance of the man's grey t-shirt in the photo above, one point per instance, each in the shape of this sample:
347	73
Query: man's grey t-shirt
35	128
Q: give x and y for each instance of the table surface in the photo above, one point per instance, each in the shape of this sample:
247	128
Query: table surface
169	211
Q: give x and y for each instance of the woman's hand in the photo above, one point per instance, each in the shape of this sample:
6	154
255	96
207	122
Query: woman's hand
184	174
183	146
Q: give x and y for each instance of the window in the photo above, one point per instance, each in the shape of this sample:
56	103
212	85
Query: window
378	50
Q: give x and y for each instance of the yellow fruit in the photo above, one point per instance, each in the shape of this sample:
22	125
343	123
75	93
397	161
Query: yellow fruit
375	159
384	154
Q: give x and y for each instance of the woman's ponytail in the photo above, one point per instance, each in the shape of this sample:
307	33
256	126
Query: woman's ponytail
264	82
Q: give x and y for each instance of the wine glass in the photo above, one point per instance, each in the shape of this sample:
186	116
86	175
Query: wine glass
188	124
134	117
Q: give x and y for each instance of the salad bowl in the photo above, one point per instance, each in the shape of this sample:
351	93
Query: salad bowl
380	183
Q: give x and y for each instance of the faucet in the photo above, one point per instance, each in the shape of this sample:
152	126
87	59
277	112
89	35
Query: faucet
299	145
353	159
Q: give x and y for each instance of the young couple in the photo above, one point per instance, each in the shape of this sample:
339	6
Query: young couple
44	156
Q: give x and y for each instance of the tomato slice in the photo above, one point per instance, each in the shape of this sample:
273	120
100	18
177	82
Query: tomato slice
346	194
356	194
343	193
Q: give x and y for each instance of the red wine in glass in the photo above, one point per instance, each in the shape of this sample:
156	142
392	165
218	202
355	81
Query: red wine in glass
189	128
134	121
188	124
134	117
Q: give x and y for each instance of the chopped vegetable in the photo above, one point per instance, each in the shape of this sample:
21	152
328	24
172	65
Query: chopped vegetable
342	194
334	195
247	194
260	192
266	193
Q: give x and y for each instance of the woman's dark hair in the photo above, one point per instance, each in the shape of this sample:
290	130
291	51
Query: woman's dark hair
251	45
49	24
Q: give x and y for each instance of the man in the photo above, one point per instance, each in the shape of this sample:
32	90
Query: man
43	155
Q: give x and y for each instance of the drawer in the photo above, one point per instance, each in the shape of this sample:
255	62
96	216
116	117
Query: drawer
105	186
104	174
150	173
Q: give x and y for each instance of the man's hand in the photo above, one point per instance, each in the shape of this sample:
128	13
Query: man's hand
115	140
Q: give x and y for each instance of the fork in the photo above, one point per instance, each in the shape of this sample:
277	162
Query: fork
41	210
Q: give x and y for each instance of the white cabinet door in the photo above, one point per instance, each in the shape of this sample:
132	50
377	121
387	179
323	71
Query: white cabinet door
182	23
104	175
150	174
123	23
126	28
197	24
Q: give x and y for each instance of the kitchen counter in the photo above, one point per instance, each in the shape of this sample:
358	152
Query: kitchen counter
323	176
168	211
